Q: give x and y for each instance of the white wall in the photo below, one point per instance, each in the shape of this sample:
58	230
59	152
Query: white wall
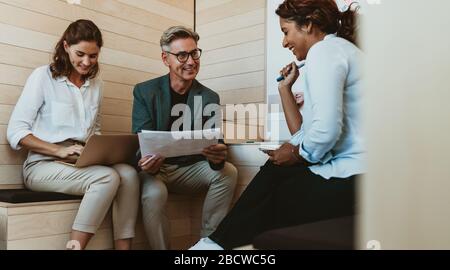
276	58
406	195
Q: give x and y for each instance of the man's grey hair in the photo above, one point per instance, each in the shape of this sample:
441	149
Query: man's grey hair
176	32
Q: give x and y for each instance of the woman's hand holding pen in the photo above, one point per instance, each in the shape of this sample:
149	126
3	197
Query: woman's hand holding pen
290	74
69	152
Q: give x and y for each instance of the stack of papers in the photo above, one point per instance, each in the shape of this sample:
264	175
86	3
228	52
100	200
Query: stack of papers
177	143
269	145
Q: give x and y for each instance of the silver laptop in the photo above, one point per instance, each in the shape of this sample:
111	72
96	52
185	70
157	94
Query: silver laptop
107	150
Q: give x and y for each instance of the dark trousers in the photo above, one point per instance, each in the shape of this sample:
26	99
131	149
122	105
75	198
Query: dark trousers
281	197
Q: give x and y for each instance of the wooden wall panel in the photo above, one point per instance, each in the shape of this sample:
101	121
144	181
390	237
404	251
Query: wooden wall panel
10	175
166	8
227	9
233	67
3	134
235	52
232	35
206	4
243	80
255	17
132	13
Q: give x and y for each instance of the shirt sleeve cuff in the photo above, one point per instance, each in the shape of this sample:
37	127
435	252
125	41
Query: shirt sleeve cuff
297	137
310	157
15	140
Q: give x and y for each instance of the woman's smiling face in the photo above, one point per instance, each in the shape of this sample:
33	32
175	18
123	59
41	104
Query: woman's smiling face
295	38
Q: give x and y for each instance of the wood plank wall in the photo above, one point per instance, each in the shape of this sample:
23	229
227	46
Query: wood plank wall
131	29
232	36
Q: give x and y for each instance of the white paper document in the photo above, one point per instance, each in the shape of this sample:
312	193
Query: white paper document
177	143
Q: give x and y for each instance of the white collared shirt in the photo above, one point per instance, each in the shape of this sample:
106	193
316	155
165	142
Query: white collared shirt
55	110
331	133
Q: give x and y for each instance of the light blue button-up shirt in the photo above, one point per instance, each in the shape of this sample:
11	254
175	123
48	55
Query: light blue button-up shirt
331	132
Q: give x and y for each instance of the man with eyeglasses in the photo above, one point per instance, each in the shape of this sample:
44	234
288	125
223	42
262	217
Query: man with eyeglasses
152	110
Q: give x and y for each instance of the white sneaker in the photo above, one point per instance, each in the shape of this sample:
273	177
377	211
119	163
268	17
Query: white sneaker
206	244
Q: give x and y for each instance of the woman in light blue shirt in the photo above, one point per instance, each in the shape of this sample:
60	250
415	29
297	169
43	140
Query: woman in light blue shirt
312	177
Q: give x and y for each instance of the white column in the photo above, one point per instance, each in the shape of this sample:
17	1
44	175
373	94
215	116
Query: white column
406	194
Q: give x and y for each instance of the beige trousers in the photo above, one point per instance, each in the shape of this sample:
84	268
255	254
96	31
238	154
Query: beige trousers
101	186
199	177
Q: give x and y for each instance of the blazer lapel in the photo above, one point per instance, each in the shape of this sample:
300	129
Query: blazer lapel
163	105
196	108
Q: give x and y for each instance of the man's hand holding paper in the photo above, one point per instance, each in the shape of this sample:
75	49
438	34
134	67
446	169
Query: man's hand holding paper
216	153
151	163
182	143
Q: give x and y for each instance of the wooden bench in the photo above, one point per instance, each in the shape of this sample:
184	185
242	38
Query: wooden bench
47	225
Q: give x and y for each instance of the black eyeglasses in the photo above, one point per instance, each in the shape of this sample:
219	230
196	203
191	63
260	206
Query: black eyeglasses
184	56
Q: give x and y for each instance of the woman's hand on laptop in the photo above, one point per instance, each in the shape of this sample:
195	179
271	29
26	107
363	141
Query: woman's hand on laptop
151	164
69	152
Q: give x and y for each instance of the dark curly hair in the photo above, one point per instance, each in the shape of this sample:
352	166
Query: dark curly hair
325	14
80	30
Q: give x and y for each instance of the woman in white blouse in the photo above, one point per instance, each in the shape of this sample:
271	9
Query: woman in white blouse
312	177
56	113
